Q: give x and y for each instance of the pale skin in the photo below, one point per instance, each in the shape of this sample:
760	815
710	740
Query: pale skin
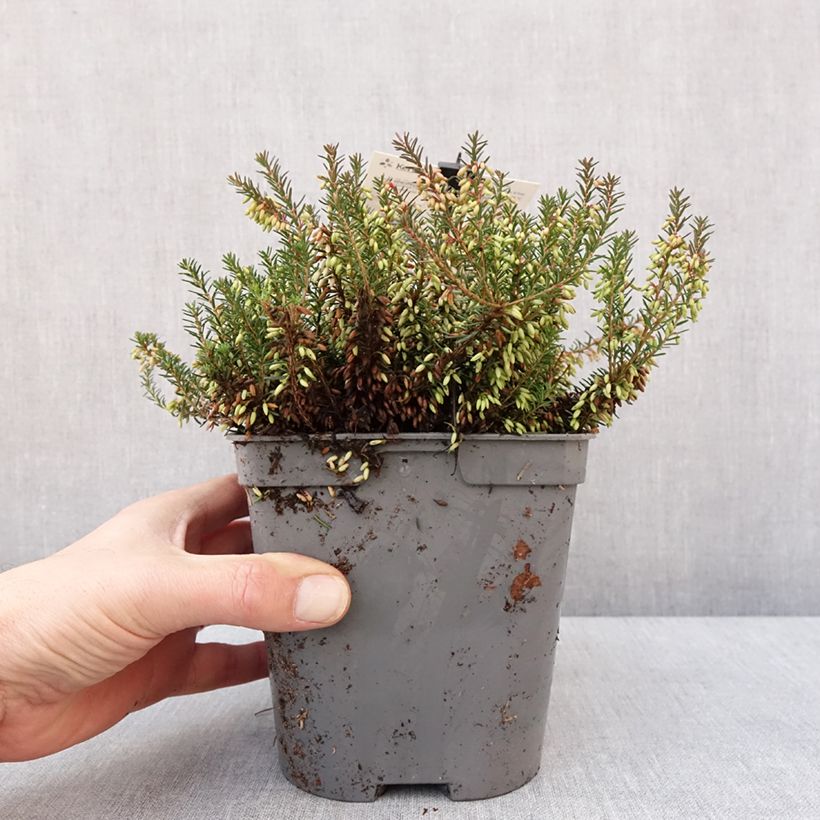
108	625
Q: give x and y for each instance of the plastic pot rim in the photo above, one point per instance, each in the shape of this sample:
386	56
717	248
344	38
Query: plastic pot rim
475	437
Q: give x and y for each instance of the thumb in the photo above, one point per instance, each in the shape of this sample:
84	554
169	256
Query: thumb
274	591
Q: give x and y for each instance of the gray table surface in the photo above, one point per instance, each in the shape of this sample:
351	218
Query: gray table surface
650	718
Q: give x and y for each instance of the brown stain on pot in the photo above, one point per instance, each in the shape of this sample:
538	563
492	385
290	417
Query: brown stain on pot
525	581
521	550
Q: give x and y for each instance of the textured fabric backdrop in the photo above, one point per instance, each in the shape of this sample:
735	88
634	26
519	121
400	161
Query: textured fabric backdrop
120	121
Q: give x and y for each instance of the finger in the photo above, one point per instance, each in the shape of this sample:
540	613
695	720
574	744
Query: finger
186	515
235	538
277	592
217	665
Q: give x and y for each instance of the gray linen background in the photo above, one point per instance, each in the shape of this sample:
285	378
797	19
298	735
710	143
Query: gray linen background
120	121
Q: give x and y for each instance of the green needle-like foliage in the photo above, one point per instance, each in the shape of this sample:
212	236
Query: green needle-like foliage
443	311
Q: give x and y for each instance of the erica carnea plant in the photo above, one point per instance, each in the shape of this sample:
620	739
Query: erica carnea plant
445	311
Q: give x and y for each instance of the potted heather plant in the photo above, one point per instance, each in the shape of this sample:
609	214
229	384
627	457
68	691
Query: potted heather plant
396	380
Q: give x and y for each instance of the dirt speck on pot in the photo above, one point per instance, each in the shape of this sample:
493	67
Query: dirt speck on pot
523	470
280	658
343	565
293	501
404	732
441	502
275	461
299	778
302	717
507	716
527	513
358	505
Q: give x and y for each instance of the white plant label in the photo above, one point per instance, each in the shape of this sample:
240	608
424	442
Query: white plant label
404	178
397	171
522	192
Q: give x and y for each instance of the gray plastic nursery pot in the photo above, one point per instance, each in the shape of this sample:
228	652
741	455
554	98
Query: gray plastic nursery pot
440	673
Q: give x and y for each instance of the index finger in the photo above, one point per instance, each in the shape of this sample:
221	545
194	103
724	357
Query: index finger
185	516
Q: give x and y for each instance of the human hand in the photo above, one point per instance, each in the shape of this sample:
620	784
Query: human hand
108	625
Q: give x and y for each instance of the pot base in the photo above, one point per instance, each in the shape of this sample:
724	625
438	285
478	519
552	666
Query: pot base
469	788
